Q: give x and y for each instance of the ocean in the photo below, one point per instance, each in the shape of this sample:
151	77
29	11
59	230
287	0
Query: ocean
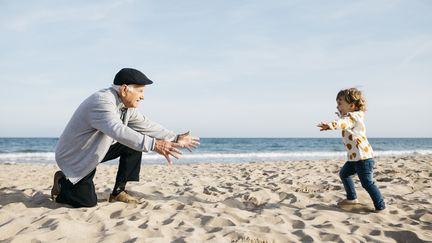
229	150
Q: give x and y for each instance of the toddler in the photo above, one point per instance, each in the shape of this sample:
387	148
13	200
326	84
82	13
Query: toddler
351	106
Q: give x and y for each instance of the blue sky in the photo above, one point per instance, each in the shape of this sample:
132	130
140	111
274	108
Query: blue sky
221	68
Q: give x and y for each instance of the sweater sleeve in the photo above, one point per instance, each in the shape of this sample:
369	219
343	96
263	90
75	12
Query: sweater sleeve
104	117
142	124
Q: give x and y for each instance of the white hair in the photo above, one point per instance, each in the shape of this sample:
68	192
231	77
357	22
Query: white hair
129	87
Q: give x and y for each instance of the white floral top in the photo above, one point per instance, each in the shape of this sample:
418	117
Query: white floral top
353	135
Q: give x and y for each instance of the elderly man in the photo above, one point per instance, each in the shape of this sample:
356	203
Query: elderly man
106	126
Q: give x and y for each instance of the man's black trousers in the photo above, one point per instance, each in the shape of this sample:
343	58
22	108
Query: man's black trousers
83	193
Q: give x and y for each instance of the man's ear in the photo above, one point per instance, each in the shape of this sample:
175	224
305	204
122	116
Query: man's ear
123	89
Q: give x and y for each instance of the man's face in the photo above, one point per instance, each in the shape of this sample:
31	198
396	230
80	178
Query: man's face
131	95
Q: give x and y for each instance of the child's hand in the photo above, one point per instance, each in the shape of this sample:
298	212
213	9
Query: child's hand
324	126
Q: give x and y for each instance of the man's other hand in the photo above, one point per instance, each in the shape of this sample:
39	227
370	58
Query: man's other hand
187	141
167	149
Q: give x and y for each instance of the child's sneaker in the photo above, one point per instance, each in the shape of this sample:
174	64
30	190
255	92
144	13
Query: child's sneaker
380	210
346	202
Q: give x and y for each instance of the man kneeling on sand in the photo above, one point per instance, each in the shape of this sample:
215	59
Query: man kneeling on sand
106	126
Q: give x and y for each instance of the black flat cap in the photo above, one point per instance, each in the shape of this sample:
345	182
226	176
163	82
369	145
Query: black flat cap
131	76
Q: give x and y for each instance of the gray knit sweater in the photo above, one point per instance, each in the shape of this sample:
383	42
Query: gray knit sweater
93	128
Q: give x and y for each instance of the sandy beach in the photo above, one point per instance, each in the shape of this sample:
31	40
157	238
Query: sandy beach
287	201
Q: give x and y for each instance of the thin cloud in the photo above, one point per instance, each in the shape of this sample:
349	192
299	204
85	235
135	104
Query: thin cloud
35	15
424	49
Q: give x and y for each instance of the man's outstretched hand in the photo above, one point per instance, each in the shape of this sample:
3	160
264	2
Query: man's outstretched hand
187	141
167	149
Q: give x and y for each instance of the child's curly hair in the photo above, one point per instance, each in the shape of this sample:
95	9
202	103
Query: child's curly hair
353	96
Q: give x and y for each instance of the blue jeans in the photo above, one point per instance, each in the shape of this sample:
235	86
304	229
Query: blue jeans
364	170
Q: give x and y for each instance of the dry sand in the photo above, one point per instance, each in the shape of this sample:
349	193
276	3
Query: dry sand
248	202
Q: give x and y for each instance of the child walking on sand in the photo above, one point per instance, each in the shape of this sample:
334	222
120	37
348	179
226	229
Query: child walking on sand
351	106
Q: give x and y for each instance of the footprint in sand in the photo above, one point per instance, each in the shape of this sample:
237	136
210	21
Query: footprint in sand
255	200
227	186
308	189
287	181
356	208
245	239
250	201
144	225
211	190
212	194
290	197
298	224
384	179
215	222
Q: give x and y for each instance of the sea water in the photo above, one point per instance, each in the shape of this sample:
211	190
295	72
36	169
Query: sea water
41	150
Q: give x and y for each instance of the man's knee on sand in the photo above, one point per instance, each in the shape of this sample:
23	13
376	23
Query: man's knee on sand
89	204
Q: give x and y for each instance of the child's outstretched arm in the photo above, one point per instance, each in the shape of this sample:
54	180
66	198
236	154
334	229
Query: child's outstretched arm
323	126
342	123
